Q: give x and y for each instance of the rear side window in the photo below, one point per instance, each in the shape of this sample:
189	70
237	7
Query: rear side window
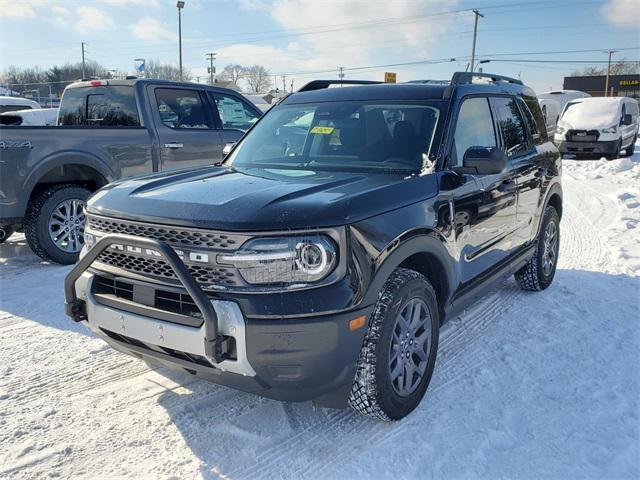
181	108
514	132
536	119
234	113
112	106
474	127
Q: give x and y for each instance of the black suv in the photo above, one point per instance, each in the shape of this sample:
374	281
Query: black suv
320	260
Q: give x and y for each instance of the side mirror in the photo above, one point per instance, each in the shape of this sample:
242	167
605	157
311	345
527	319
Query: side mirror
627	120
227	149
483	161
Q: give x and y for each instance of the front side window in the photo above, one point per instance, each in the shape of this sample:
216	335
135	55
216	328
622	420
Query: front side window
351	136
474	127
514	132
234	113
181	109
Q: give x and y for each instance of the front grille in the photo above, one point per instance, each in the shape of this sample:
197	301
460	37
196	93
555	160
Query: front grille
175	236
583	135
203	274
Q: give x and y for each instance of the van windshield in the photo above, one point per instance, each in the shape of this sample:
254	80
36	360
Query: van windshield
603	110
349	136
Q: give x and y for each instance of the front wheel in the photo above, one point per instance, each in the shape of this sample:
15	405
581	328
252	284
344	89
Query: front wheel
631	148
54	224
399	351
539	271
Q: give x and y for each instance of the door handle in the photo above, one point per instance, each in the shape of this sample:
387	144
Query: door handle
173	145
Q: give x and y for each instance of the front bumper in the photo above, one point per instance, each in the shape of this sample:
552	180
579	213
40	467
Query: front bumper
284	359
588	149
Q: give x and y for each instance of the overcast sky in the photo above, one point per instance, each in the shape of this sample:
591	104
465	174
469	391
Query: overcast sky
306	39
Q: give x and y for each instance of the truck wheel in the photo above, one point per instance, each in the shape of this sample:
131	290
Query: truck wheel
631	148
54	223
617	154
6	232
539	271
399	351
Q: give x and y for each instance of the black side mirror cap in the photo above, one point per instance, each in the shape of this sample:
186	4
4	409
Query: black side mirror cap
627	120
483	161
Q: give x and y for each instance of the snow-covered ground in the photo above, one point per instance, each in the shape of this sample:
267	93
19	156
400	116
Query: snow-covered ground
543	385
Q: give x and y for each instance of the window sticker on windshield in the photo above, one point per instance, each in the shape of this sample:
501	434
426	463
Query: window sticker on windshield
322	130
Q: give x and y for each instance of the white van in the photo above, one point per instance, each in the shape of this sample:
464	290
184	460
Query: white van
551	113
563	96
597	127
11	104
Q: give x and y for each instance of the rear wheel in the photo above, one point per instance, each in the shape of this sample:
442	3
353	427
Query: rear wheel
539	271
54	224
6	232
400	347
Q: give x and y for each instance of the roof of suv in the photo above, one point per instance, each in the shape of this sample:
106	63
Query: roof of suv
404	91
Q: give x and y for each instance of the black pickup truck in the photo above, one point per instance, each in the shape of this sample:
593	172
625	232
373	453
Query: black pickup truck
108	129
320	259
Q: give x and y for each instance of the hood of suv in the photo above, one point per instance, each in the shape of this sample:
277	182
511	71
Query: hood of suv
259	199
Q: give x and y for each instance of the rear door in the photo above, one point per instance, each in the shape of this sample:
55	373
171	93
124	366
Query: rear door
186	128
519	142
236	115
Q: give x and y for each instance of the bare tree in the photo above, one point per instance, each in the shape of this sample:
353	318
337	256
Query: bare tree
258	78
233	73
165	71
621	67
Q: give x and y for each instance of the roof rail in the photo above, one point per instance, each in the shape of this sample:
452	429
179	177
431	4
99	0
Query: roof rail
460	78
320	84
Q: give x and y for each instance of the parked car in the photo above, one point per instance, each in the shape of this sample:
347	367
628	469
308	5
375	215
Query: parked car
108	129
259	102
563	96
30	117
11	104
551	114
319	261
598	127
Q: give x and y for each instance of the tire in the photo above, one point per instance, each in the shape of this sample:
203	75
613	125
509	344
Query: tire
631	148
617	154
6	232
41	211
375	392
537	275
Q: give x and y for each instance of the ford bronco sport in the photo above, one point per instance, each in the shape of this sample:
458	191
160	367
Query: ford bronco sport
320	260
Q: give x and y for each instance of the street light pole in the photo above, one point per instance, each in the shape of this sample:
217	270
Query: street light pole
606	83
475	32
180	6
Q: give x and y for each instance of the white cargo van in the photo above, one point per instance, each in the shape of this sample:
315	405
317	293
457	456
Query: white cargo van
551	113
598	127
563	96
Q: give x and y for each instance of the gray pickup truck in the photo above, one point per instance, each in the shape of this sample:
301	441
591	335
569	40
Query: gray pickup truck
108	129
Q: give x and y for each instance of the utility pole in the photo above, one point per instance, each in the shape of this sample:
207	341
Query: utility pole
284	83
180	6
475	33
606	83
211	56
83	69
341	73
291	86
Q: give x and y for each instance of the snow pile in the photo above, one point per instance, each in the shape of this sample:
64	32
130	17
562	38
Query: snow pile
527	385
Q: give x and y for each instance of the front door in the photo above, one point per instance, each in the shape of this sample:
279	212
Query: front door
236	115
186	129
486	220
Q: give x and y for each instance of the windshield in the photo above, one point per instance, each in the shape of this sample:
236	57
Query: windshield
350	136
605	110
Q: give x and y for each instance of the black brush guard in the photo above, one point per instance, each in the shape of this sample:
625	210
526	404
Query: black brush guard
214	342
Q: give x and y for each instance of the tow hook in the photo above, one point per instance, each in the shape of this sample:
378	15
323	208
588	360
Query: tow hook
77	310
218	349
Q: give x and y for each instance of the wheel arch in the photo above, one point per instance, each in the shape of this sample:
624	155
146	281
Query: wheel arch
425	252
68	167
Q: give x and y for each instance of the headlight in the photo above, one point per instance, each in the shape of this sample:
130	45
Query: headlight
613	129
280	260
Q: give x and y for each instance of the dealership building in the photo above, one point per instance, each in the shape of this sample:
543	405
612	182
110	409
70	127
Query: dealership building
619	85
